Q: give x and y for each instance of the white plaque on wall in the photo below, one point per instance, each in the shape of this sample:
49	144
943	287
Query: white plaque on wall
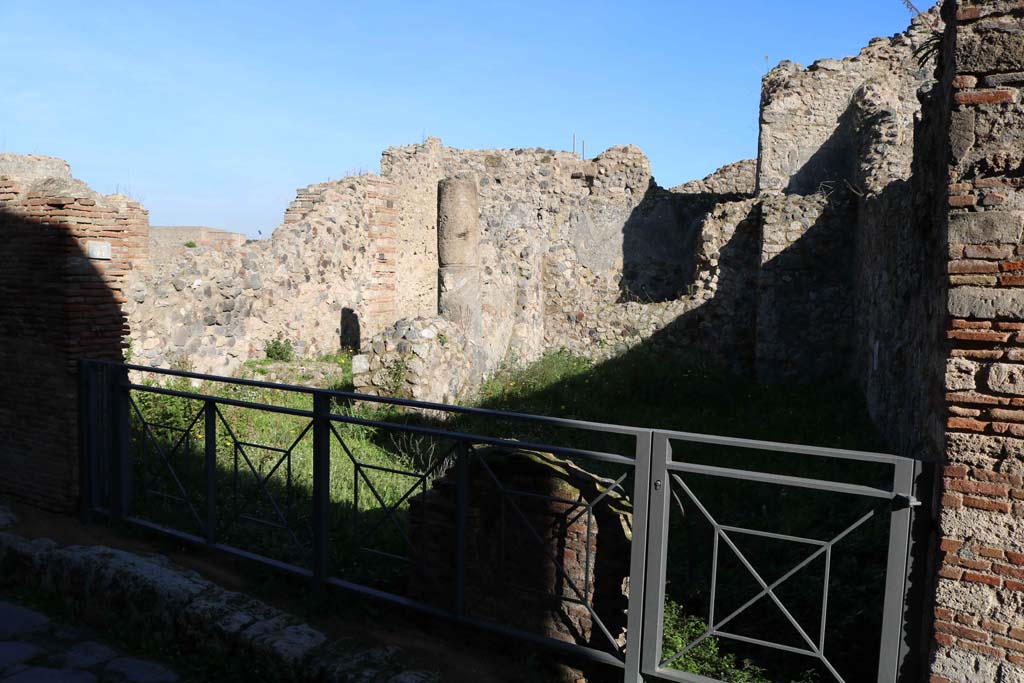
97	249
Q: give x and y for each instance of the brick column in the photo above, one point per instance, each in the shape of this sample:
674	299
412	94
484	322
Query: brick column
61	298
979	613
380	306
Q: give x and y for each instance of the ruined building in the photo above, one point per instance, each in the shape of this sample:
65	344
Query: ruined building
876	238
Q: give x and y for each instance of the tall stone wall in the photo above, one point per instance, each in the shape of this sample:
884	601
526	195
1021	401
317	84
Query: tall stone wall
62	290
979	612
899	272
807	133
531	201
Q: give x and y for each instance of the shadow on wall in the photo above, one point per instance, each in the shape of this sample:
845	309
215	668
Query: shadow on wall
833	162
781	306
660	243
350	330
56	308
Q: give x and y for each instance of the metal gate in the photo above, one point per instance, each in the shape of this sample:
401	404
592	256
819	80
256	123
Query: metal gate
673	475
203	480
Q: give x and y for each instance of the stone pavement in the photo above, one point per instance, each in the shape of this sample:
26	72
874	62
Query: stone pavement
34	649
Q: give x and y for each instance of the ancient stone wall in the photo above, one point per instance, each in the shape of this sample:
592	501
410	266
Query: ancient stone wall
70	252
979	627
739	178
899	271
212	310
804	294
807	127
421	358
531	200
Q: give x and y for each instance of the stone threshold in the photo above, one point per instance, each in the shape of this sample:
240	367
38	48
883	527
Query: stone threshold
149	595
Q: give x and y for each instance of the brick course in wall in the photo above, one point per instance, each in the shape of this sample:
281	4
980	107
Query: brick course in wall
979	613
381	305
62	301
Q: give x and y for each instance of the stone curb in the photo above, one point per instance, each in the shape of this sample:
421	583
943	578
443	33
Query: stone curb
150	595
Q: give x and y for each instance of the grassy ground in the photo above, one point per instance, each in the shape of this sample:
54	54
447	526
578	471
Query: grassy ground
265	468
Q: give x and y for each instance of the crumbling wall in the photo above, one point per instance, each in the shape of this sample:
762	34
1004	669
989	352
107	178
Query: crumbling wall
807	130
531	200
586	315
212	310
737	178
589	255
70	252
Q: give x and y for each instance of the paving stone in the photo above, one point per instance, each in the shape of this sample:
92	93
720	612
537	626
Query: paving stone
15	652
16	620
87	655
141	670
35	674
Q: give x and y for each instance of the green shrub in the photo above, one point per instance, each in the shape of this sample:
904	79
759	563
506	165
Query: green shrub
706	659
279	349
681	629
190	244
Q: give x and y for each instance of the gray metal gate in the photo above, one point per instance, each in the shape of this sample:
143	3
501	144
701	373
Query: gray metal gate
203	459
671	487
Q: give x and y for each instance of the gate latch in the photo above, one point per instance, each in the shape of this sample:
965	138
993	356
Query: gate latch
657	485
901	502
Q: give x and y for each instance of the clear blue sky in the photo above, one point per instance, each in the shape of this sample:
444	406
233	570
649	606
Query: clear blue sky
213	113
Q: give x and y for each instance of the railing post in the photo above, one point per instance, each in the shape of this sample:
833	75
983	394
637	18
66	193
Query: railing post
121	459
87	427
461	517
210	457
321	486
635	615
896	572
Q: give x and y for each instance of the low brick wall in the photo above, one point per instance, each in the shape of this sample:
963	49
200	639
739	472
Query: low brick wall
536	554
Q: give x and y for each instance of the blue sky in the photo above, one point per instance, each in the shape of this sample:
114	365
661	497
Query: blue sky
213	113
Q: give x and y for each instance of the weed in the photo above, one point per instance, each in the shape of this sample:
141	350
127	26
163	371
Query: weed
397	372
280	349
190	244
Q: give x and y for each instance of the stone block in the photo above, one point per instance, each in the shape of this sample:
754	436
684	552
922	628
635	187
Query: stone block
995	44
1006	378
986	303
360	364
960	374
1003	227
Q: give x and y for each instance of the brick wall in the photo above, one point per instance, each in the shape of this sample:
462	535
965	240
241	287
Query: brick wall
532	571
380	305
69	250
979	614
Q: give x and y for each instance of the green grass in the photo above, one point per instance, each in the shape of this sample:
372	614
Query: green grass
640	389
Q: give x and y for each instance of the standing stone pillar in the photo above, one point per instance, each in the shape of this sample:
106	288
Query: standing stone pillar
458	260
